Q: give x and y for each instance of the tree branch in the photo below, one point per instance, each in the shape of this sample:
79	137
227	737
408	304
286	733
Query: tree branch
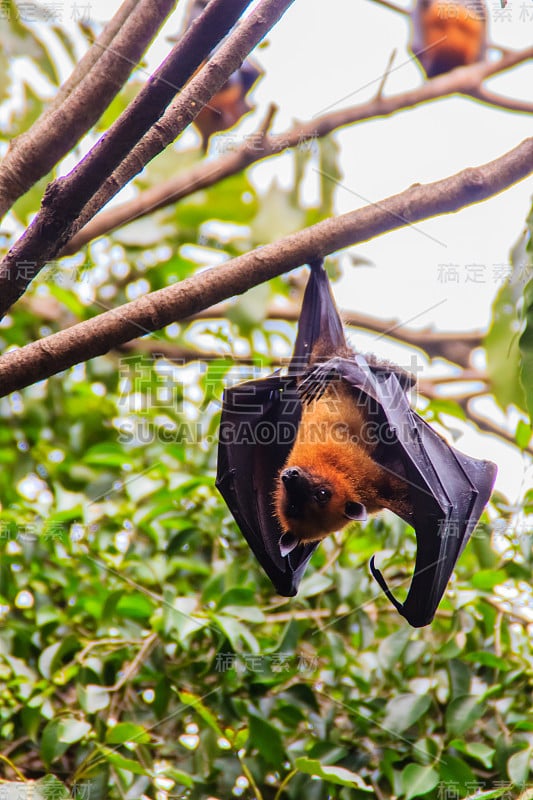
65	198
455	347
463	80
83	98
393	7
499	101
157	309
227	59
93	54
479	420
450	346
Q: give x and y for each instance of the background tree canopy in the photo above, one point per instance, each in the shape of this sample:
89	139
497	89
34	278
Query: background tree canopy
143	652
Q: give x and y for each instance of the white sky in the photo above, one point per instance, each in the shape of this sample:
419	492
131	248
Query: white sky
323	52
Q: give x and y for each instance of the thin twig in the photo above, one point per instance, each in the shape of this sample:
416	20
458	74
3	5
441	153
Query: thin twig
131	669
393	7
381	87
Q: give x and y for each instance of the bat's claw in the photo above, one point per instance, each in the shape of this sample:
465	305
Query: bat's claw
315	384
288	543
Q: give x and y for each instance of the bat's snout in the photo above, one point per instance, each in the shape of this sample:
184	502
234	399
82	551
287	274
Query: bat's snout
291	476
296	486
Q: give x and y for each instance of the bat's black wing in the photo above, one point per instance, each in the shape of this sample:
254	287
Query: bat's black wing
257	430
447	489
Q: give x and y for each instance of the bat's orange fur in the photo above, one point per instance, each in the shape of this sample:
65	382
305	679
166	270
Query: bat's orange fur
451	39
223	111
332	448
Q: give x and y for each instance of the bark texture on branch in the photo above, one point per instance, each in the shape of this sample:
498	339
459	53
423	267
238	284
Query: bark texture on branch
64	198
160	308
84	97
188	104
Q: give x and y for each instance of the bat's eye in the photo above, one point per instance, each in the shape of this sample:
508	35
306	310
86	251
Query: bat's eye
322	496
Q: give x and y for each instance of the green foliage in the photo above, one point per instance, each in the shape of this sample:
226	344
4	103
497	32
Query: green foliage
526	339
509	342
142	649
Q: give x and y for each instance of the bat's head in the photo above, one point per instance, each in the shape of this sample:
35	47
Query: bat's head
309	506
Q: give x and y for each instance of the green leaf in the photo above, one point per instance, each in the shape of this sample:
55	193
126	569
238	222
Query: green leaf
462	713
476	750
237	633
121	762
190	699
72	730
488	659
237	596
93	698
520	765
337	775
135	606
246	613
403	711
460	677
44	789
487	579
418	780
524	256
267	739
330	173
522	435
278	215
456	772
182	778
106	455
502	342
52	746
314	584
391	648
127	732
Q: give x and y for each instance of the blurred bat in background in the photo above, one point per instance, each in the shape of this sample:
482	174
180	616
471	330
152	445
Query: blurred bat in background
448	34
230	103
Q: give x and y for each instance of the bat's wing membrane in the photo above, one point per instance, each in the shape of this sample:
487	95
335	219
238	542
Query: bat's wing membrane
447	489
257	430
258	425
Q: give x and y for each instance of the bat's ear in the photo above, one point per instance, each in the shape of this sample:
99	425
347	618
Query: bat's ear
287	543
355	511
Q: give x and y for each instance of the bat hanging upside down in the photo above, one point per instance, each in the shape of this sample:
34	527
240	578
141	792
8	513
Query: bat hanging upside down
301	455
448	34
330	477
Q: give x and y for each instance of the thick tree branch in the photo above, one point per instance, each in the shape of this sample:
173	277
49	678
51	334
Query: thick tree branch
454	347
94	53
64	198
227	59
154	311
465	80
83	98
